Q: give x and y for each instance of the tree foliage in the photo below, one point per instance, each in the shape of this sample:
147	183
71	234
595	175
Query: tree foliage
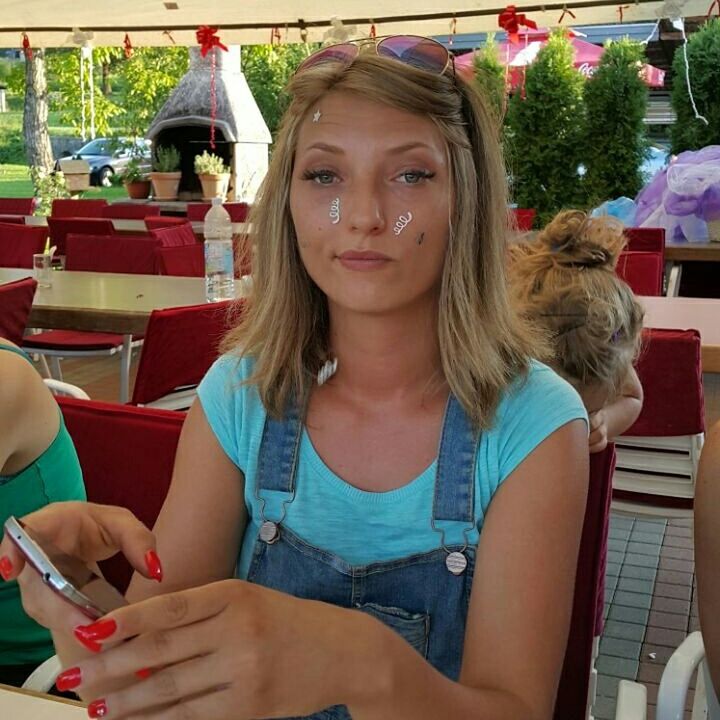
703	51
545	132
267	69
615	105
490	76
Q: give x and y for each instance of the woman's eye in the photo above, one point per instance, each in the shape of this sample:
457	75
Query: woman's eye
321	177
413	177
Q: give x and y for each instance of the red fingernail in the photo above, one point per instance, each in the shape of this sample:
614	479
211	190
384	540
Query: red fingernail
90	635
68	679
97	709
152	561
5	567
144	673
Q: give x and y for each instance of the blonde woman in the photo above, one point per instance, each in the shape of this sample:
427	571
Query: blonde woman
564	281
377	453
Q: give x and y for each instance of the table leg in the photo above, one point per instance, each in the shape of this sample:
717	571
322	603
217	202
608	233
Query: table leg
673	273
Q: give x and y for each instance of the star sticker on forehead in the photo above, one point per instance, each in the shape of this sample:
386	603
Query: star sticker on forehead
316	116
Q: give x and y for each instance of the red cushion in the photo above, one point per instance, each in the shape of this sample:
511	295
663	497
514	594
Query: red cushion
72	340
180	234
130	211
16	300
645	239
17	206
127	456
238	211
66	208
183	260
15	219
112	253
18	244
642	271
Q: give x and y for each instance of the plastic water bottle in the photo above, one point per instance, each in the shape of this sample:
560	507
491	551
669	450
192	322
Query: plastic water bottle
219	268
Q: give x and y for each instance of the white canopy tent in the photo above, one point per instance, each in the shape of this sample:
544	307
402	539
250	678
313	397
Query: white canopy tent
49	23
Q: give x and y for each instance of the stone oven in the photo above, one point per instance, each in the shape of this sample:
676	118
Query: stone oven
241	135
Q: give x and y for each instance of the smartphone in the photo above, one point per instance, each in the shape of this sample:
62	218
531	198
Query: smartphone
67	576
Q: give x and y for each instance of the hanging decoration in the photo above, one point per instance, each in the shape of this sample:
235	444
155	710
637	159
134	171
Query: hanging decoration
620	10
453	31
127	45
679	24
565	12
338	32
275	37
84	41
510	21
208	40
27	50
169	36
373	30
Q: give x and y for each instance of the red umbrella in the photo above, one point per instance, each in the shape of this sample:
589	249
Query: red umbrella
518	55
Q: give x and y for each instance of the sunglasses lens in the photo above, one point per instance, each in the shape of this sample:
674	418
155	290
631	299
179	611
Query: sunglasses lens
344	53
419	52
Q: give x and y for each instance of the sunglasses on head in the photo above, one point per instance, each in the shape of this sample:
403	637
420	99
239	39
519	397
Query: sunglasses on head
414	50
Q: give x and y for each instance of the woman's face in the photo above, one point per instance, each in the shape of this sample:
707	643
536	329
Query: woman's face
370	202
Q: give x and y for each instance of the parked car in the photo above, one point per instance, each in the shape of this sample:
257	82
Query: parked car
107	156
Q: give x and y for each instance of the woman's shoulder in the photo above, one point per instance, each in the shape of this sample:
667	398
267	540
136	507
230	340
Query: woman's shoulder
540	382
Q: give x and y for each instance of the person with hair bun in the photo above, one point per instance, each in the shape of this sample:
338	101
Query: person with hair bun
564	281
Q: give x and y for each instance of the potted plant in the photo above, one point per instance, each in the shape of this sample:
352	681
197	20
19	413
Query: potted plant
166	173
136	181
213	174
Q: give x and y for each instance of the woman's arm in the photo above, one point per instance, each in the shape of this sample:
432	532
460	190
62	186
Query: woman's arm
707	550
616	417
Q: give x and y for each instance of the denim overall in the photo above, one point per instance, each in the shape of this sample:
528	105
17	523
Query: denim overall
417	596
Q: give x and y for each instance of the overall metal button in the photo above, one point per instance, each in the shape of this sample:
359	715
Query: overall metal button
269	532
456	563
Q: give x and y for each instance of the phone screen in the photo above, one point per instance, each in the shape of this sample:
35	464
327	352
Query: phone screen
69	577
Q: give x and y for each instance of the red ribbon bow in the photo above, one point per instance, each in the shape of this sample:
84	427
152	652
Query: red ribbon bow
373	31
27	50
208	39
510	21
570	13
128	46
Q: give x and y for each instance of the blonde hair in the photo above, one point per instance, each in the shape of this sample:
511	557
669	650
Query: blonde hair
484	345
565	282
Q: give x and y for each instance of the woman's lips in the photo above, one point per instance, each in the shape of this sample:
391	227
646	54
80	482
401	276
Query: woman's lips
363	260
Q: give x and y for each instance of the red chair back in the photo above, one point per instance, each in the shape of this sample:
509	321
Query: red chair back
522	219
15	219
61	227
17	206
642	271
645	239
175	235
185	260
127	456
16	299
153	222
112	253
71	208
572	694
180	346
130	211
238	211
18	243
670	371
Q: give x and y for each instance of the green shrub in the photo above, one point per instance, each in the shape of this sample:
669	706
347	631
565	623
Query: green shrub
12	147
615	106
48	186
490	76
703	52
544	135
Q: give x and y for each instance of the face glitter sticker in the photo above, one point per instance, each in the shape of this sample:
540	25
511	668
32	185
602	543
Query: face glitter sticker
402	222
317	116
335	211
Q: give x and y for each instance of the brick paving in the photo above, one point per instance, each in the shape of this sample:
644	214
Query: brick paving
650	605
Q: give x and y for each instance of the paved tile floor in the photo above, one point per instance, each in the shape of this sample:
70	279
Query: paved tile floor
649	604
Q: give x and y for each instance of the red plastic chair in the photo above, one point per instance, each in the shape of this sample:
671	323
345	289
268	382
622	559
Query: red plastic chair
175	235
18	243
130	211
72	208
61	227
522	219
153	222
646	239
184	260
14	219
180	346
572	698
127	456
238	211
642	271
658	456
17	206
16	299
112	253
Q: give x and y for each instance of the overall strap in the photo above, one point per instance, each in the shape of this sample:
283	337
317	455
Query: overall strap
279	449
455	479
16	350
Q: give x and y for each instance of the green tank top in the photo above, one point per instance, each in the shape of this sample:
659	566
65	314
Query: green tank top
53	476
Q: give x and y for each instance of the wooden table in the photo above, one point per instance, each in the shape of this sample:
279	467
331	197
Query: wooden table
107	302
138	227
18	704
683	313
676	253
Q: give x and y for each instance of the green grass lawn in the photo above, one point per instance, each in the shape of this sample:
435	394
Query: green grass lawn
15	182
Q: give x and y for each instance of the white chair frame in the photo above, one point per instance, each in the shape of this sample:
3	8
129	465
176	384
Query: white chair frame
44	676
64	389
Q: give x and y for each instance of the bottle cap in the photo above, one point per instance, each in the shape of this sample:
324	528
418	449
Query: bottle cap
217	201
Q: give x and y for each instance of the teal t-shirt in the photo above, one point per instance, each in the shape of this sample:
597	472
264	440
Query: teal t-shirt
365	527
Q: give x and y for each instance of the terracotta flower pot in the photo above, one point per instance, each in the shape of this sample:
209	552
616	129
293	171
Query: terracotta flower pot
165	185
138	189
214	185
